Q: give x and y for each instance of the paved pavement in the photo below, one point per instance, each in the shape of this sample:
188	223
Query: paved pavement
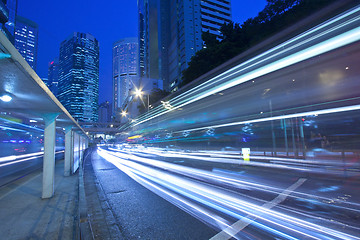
25	215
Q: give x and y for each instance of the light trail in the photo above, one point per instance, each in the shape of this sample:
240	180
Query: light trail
15	157
289	116
268	62
277	163
11	160
218	176
227	202
333	47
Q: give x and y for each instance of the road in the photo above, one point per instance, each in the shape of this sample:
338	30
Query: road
141	214
171	194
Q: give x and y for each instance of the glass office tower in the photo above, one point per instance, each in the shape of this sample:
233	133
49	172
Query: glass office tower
125	71
8	12
171	33
26	40
53	76
78	88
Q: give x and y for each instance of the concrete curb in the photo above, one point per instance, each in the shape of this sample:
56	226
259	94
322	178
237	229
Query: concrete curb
97	220
84	223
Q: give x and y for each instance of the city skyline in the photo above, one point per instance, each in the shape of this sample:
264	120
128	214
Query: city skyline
58	20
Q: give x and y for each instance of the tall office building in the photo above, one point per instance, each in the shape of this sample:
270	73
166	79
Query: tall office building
46	81
125	71
105	112
79	76
214	13
171	33
26	40
53	76
151	45
8	12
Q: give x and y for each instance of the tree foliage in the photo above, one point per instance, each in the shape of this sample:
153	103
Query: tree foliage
277	15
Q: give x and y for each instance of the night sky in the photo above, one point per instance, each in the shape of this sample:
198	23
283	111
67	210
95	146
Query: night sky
107	21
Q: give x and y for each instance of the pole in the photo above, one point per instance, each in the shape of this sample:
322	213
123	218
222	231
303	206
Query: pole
148	100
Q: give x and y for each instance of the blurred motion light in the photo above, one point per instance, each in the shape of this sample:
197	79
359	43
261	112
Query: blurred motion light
135	137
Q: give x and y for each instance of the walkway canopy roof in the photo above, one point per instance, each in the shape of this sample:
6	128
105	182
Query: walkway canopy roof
31	98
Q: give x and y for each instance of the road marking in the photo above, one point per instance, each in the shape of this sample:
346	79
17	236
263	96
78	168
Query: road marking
231	231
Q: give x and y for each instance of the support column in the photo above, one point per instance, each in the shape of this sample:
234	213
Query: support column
74	152
49	155
80	149
69	148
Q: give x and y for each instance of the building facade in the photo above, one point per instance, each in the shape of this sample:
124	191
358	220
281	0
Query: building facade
78	88
214	13
151	45
8	12
26	40
53	76
125	71
171	33
105	112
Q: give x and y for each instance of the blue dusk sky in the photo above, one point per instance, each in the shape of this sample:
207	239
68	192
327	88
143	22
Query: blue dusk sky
108	21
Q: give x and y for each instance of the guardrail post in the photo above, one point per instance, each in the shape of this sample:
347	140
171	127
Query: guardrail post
49	155
69	148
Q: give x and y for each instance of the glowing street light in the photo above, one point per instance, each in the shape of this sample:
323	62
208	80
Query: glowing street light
138	93
123	113
5	98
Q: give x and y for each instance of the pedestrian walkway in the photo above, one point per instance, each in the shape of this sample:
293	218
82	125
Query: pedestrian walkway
25	215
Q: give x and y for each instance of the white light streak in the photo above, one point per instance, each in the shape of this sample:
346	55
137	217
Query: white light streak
226	202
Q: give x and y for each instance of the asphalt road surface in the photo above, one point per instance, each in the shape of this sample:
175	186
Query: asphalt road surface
161	194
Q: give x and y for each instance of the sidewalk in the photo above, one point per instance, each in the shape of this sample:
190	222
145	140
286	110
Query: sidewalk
24	215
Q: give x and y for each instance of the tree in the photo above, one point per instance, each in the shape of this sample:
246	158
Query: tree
277	15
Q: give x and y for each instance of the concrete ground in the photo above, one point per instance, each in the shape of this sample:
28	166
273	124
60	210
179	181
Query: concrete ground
25	215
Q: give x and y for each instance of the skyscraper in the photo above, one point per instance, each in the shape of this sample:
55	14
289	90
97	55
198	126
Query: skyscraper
53	76
105	112
214	13
125	71
26	40
8	12
171	33
79	76
150	42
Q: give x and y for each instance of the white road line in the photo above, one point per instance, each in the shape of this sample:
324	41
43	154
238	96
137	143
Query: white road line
245	221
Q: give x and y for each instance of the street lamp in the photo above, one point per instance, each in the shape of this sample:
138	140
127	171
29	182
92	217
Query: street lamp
140	93
5	97
123	113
